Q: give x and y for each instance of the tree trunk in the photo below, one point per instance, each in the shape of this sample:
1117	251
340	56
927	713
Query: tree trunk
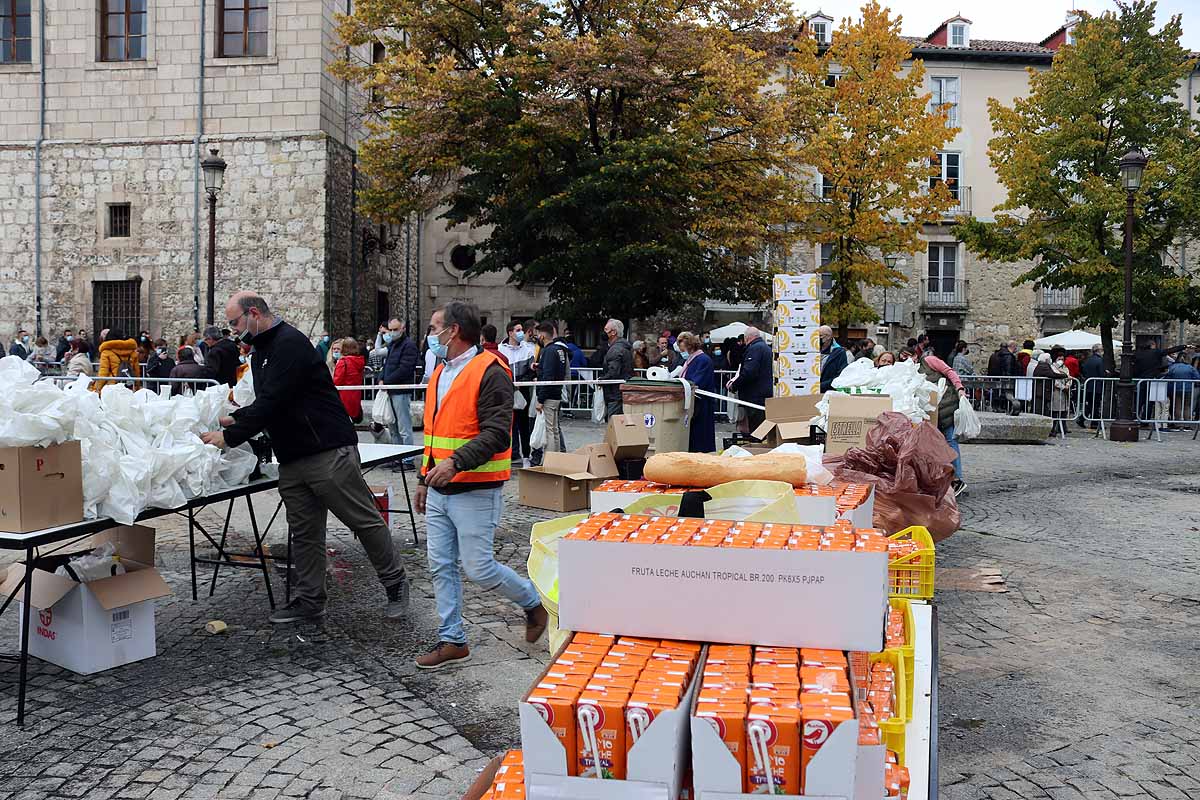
842	331
1106	339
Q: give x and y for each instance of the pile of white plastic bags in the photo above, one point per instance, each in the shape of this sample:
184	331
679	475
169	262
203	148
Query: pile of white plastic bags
139	449
902	381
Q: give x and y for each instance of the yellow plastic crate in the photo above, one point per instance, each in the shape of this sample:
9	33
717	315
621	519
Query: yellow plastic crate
907	651
893	729
912	575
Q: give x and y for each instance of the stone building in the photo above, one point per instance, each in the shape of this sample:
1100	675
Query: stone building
109	107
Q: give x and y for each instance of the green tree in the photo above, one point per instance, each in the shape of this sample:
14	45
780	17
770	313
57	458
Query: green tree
629	155
1057	151
871	137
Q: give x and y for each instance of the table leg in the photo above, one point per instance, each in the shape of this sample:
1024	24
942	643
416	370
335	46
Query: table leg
412	517
212	587
192	547
24	672
287	581
260	543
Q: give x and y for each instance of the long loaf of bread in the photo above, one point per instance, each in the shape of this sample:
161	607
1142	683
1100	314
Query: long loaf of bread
704	471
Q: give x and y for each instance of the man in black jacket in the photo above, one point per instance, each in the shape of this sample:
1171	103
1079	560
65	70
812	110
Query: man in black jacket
1004	364
220	356
319	470
400	368
553	365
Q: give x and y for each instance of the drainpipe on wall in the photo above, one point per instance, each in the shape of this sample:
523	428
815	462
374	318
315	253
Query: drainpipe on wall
196	172
37	172
1184	243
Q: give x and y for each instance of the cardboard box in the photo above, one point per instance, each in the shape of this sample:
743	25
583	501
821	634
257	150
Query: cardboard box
562	483
798	339
600	460
656	766
793	314
94	626
785	387
851	416
626	437
812	510
717	594
798	367
864	515
40	487
787	420
797	287
385	501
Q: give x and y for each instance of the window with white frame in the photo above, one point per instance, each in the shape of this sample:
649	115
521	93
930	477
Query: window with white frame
958	35
824	189
826	277
820	32
945	93
831	79
943	269
948	167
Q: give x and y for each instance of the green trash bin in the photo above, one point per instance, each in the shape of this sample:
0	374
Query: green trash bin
659	404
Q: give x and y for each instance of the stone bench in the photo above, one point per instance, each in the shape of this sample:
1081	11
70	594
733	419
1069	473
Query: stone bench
1026	428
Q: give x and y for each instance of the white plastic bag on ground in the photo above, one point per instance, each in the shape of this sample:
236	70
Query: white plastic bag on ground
966	421
537	439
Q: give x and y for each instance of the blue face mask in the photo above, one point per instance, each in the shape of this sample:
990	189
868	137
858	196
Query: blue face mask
717	351
241	359
435	345
70	338
325	339
387	337
519	336
336	355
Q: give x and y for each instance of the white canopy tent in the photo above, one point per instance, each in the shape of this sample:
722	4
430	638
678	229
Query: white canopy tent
732	331
1071	340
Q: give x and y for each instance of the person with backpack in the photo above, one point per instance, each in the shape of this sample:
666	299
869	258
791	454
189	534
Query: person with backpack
118	359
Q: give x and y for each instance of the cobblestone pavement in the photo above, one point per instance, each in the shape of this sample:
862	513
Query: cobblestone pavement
1079	682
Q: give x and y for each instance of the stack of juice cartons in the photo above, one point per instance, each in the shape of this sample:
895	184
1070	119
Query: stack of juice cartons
797	348
509	782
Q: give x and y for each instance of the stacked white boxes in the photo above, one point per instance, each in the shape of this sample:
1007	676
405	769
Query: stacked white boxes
797	348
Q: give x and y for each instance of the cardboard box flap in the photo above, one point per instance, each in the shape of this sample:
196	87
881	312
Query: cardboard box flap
567	465
864	406
133	543
793	430
132	587
46	587
800	408
600	460
627	437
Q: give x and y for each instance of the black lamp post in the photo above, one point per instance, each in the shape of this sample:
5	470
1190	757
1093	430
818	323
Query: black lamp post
1125	428
370	243
214	179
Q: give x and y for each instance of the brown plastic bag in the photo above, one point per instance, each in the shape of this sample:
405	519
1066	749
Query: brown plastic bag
911	468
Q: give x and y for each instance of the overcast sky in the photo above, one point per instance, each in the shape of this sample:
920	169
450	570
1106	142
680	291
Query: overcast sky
1020	20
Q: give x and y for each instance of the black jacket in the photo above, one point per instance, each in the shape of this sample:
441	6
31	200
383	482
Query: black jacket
1151	361
295	401
832	364
159	367
1004	363
618	365
1093	367
401	364
754	383
554	365
222	362
189	369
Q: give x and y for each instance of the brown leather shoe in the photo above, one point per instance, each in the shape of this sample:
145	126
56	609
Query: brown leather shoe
536	620
443	655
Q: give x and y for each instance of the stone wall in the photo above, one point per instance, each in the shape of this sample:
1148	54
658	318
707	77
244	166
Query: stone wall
270	229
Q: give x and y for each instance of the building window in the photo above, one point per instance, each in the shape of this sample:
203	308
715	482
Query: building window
124	34
831	80
945	93
826	277
16	32
823	189
243	28
462	257
943	269
118	305
378	56
958	35
119	219
947	166
820	32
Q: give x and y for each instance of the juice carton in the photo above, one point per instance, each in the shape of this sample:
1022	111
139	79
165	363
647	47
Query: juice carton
896	780
729	721
773	739
641	711
816	657
868	729
824	680
601	739
729	653
594	638
557	708
820	720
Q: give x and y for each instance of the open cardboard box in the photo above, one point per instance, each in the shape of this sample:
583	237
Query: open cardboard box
40	487
851	417
94	626
562	482
831	772
787	420
717	594
656	767
626	436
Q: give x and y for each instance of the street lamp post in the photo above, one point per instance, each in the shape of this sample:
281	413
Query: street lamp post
214	180
1125	428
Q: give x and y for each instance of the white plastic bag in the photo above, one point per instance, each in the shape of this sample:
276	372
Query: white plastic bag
966	421
96	565
537	439
598	407
813	464
243	392
382	412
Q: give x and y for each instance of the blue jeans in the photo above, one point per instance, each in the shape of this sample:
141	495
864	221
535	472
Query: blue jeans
401	428
952	440
463	526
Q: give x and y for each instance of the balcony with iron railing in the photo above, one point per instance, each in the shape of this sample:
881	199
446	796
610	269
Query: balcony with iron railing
962	200
1059	300
944	294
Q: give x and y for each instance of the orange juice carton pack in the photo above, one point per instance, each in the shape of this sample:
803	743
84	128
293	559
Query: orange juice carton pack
896	780
602	748
593	638
641	710
729	721
816	657
557	709
868	729
773	741
824	680
821	717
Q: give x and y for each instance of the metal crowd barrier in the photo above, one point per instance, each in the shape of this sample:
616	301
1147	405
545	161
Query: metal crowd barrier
1161	403
191	385
1056	398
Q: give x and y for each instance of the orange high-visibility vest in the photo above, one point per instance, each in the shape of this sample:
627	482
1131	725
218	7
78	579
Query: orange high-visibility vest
455	421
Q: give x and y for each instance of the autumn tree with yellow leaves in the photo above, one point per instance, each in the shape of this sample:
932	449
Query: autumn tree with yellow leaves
870	136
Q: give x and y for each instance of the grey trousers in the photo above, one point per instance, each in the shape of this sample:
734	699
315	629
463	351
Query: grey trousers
554	438
332	481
